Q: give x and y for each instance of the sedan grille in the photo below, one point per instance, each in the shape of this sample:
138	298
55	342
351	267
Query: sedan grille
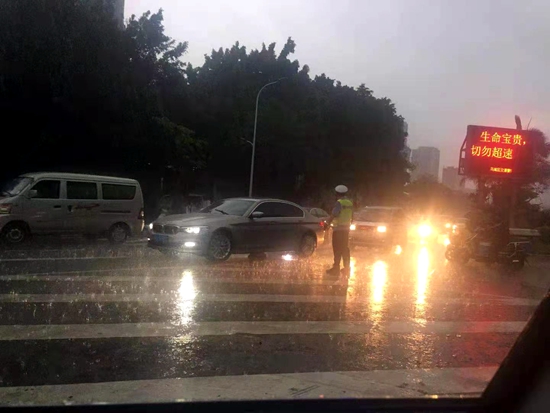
171	229
165	229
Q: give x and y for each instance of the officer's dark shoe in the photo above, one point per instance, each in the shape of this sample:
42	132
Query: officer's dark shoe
333	272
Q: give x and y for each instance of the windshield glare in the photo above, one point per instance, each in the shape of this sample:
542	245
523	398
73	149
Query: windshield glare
229	207
15	186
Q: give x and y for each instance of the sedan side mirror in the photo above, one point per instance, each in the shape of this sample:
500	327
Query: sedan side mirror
33	193
256	214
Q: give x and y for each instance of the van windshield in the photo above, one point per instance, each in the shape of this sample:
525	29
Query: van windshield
15	186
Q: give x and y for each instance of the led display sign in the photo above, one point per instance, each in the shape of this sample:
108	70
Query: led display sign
496	152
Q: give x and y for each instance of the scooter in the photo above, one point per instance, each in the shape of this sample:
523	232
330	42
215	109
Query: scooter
482	249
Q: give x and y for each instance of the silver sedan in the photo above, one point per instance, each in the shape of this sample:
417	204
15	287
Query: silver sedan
239	226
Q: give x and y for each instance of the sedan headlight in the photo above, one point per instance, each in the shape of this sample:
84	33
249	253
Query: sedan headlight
448	225
381	228
193	230
424	230
352	227
150	226
5	208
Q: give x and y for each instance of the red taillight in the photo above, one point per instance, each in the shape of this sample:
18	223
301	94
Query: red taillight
141	214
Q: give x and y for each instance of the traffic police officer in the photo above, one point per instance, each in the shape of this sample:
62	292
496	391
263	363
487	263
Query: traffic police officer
341	221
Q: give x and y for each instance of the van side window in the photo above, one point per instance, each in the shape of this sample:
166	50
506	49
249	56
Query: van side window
81	190
47	189
114	191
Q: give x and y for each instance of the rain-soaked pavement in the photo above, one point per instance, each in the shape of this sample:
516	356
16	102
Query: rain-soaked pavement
85	322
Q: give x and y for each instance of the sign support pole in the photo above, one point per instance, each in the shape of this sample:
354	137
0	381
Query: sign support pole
514	189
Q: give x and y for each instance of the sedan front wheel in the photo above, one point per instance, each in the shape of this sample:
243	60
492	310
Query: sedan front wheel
219	247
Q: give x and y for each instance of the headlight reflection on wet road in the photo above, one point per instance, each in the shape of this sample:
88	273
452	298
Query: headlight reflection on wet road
186	298
422	276
379	279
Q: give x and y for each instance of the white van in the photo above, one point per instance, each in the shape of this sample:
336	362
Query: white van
49	202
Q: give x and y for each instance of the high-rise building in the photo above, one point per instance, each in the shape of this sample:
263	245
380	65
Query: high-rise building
426	162
450	177
117	8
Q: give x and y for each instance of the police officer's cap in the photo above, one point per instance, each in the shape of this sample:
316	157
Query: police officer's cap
341	189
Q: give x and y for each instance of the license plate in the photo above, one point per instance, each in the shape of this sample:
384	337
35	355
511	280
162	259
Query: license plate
160	238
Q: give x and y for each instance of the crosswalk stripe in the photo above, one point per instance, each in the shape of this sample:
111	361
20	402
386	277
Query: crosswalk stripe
221	328
146	277
111	298
64	258
191	296
469	381
150	270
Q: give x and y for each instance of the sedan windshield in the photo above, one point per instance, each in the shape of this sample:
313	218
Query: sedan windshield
229	207
15	186
374	215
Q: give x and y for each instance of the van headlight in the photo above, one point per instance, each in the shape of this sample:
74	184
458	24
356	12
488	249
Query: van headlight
193	230
381	228
352	227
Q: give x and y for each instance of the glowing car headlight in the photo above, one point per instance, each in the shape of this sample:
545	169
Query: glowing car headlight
424	230
352	227
448	225
150	226
5	208
193	230
381	228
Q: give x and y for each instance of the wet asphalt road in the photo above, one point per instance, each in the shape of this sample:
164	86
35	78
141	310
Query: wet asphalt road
75	312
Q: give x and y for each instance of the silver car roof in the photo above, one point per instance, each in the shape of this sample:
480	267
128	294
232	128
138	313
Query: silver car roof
63	175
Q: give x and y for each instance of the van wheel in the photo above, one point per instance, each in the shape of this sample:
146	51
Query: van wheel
15	233
118	233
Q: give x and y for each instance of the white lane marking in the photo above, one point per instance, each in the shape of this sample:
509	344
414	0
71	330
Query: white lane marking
15	277
151	269
145	278
222	328
468	381
173	296
64	258
169	297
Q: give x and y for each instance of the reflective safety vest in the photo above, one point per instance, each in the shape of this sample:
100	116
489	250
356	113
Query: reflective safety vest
346	214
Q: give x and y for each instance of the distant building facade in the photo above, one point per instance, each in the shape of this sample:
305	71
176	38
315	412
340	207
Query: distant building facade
119	12
450	177
117	6
426	162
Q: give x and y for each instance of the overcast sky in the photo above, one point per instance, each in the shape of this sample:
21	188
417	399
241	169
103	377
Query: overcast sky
445	64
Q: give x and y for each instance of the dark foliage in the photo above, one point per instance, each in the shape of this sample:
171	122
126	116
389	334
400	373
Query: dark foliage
77	92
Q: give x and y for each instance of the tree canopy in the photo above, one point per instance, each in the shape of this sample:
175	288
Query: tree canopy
78	92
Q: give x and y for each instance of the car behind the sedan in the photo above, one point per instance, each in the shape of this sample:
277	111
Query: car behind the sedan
378	227
239	226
